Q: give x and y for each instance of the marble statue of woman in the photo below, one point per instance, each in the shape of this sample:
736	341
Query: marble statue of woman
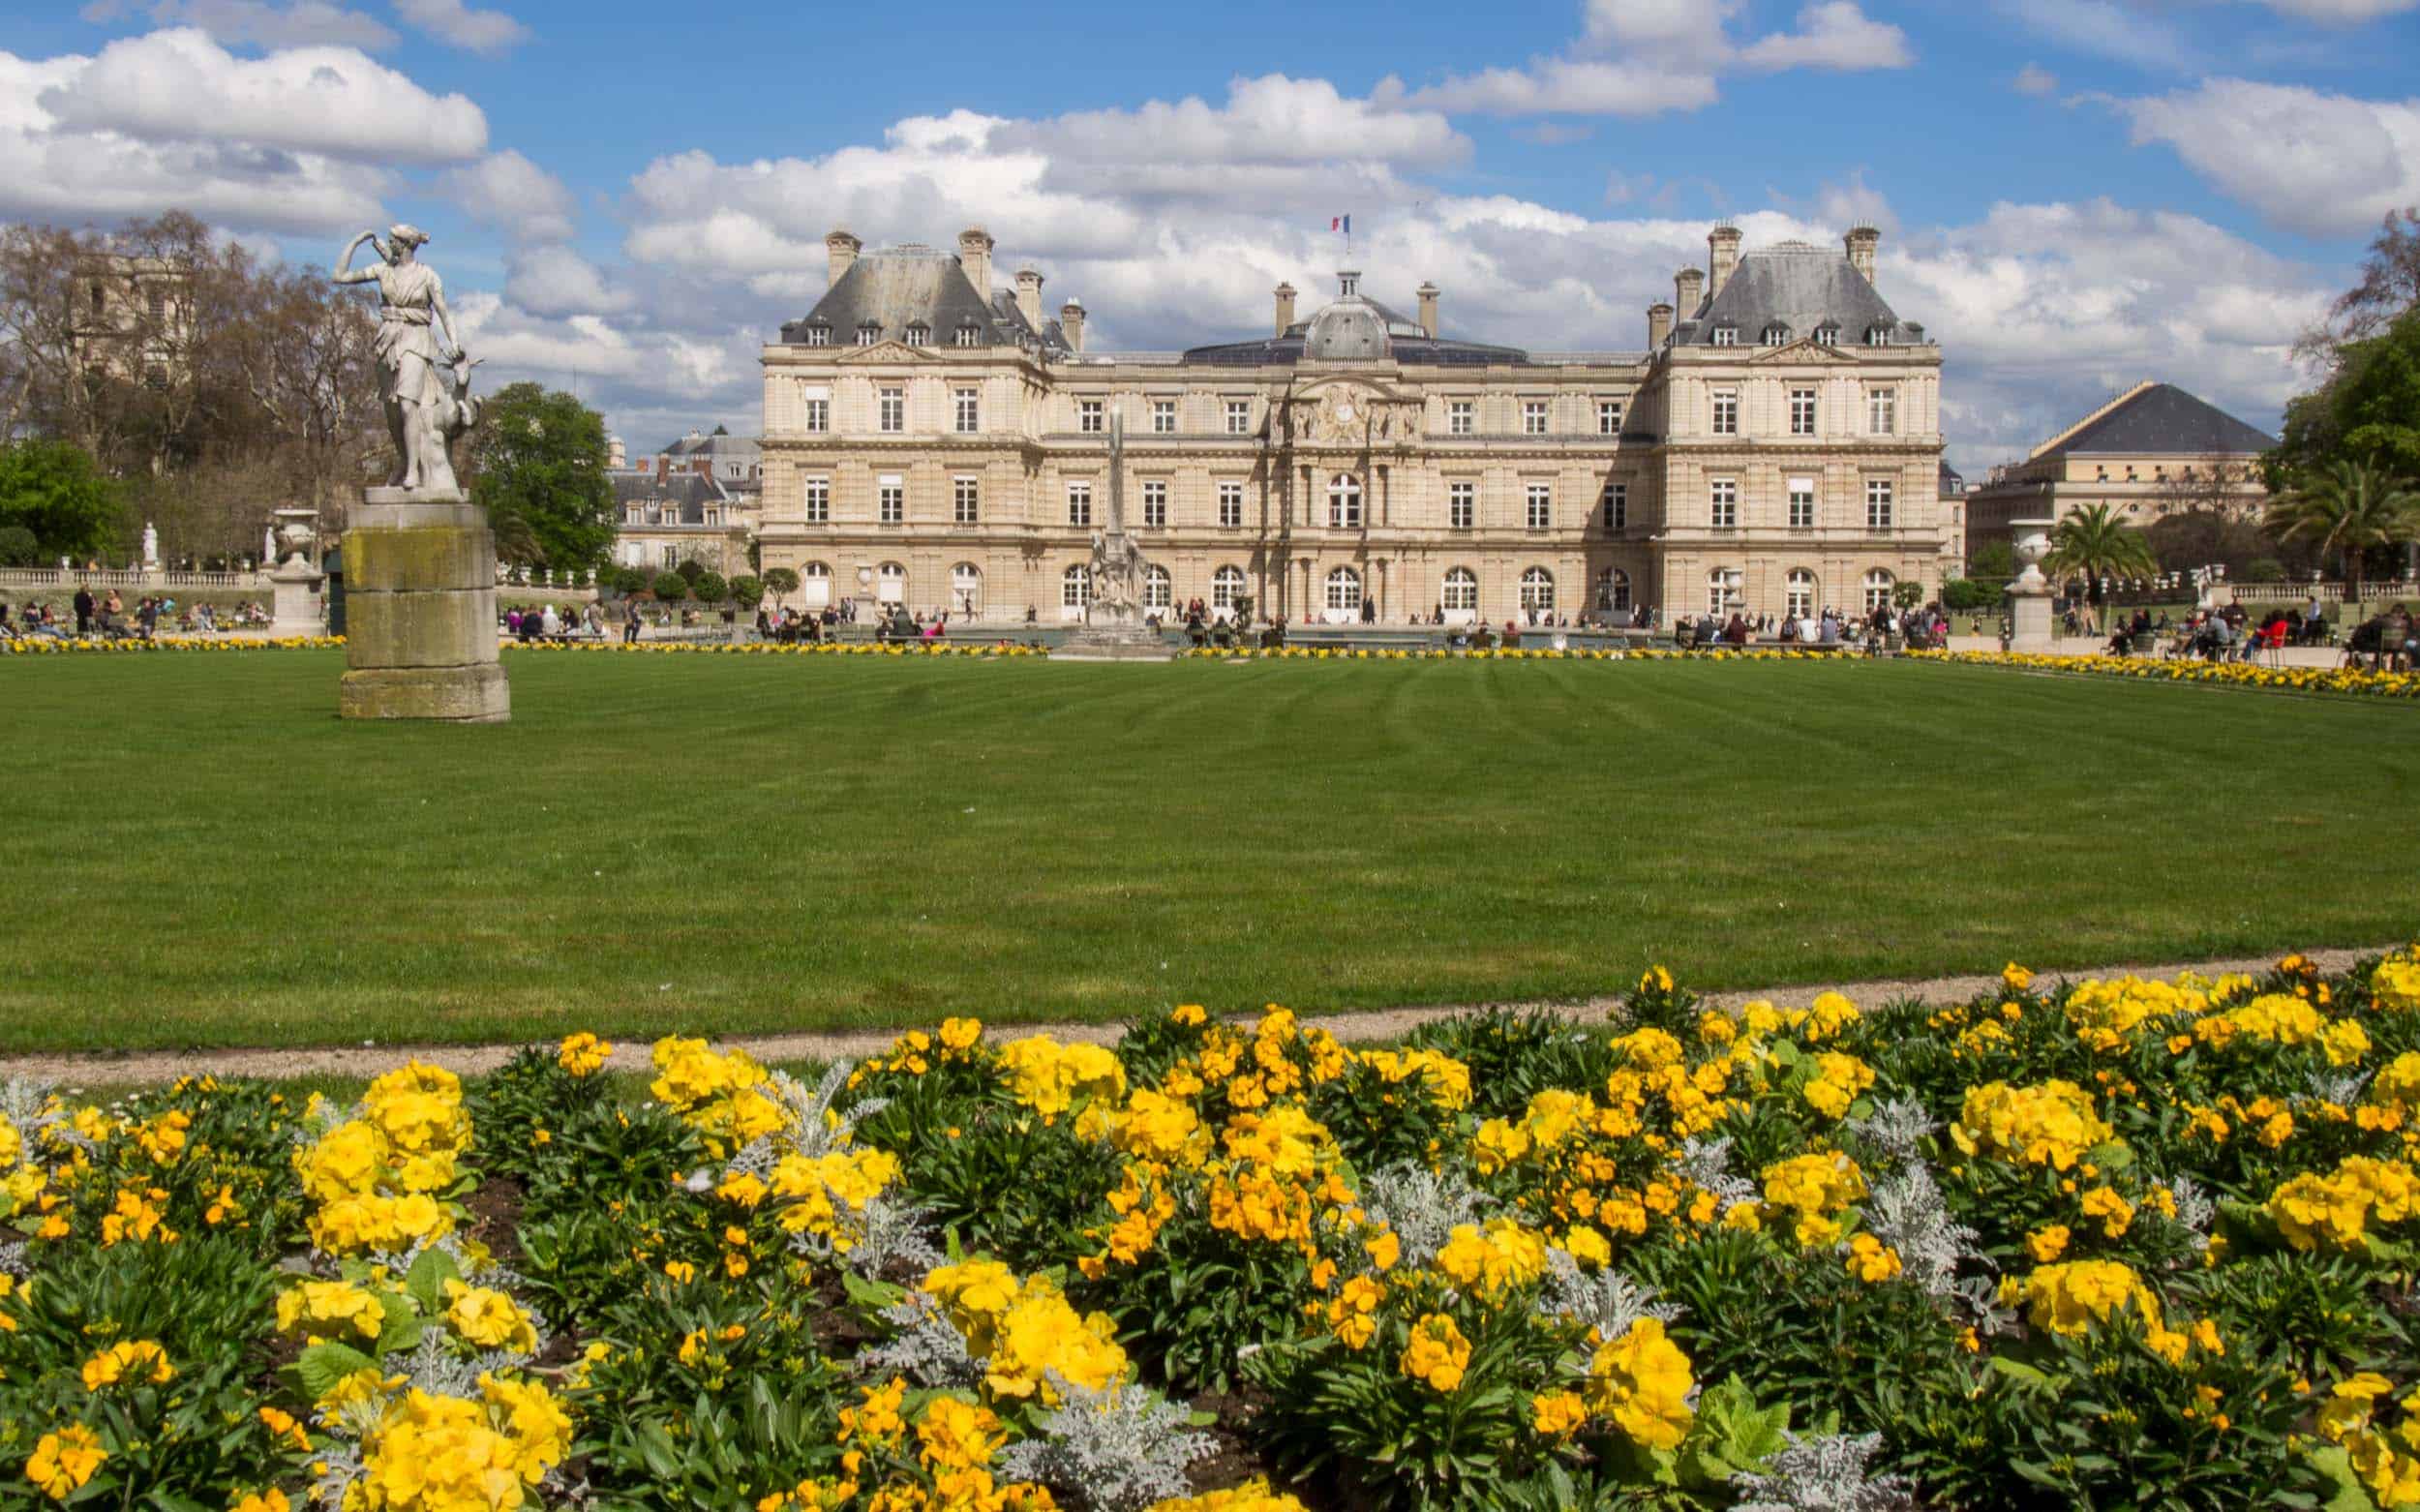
423	377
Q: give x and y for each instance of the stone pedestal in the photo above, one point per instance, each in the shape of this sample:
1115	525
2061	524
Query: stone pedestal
420	611
2030	627
2029	623
294	607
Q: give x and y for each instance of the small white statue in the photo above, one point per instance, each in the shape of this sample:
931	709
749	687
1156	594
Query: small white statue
424	379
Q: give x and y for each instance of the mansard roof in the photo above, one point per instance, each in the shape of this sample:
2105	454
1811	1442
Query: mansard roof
2160	420
1800	288
689	493
1354	328
895	287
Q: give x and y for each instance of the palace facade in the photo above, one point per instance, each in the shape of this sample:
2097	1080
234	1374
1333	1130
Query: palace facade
939	442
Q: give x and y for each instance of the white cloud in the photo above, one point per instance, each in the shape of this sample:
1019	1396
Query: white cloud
1832	35
2032	79
2103	28
1553	133
457	25
556	281
2318	163
1646	57
2341	12
258	23
181	86
514	194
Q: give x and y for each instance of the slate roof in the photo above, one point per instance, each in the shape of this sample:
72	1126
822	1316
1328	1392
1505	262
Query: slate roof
895	286
1354	326
2162	419
1800	285
687	492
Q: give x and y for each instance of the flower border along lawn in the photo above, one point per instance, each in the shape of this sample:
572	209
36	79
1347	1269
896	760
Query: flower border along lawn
2075	1246
201	854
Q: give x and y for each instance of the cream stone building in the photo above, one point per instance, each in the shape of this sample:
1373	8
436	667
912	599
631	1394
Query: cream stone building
939	442
2152	451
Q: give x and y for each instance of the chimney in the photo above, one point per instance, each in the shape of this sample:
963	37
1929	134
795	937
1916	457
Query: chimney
1285	306
1688	292
844	248
1427	293
1071	326
975	256
1863	243
1722	257
1658	325
1029	297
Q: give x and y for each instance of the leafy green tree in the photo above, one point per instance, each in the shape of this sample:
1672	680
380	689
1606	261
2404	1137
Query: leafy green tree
781	581
690	569
1907	594
747	592
537	460
671	587
710	588
52	490
2093	543
1992	560
18	546
2348	507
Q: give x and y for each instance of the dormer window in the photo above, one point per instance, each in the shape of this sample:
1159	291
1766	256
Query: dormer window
1827	336
1726	336
869	333
969	335
818	335
1776	335
1878	336
919	334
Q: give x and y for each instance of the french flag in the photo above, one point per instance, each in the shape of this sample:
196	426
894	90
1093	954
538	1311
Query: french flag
1342	223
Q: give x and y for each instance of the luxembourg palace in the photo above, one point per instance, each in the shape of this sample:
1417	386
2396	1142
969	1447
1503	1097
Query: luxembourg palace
937	442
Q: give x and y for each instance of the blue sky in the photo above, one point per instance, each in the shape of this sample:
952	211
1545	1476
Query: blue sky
2074	194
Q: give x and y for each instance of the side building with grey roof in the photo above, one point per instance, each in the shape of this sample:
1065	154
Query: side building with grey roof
938	440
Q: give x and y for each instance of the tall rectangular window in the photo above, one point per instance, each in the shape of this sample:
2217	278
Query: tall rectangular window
1155	505
1164	417
1541	498
1723	500
1079	504
1802	503
1239	418
1726	411
1231	506
1882	410
1802	412
890	501
969	412
1726	336
966	501
819	336
819	500
819	414
1458	417
1609	417
1088	416
1462	505
894	414
1878	504
1617	506
1533	417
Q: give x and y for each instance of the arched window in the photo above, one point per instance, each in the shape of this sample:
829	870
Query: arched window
1799	594
1076	587
1722	590
1226	584
1878	587
966	589
890	586
1158	592
1612	591
1345	502
1462	590
1344	591
1538	589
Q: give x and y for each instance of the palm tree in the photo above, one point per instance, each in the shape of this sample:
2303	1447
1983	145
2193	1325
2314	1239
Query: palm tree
2350	506
2093	543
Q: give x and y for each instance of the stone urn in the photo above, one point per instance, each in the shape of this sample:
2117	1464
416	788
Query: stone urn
298	532
2032	544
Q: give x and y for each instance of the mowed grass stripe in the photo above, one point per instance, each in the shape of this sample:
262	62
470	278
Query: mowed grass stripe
197	853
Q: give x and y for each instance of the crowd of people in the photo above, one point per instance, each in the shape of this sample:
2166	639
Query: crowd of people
106	618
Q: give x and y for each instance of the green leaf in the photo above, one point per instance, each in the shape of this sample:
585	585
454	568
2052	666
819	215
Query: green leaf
324	1364
2336	1466
427	1277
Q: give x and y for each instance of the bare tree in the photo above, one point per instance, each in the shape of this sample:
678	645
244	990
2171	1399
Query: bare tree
2389	285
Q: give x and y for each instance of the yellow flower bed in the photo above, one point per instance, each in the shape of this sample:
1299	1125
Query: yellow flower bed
2220	673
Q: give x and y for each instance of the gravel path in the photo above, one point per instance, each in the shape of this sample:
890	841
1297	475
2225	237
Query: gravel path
369	1060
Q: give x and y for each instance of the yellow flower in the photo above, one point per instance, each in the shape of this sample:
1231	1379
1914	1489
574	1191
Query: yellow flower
1558	1414
1642	1381
2046	1243
1352	1313
136	1360
2069	1298
2015	977
64	1461
582	1054
271	1499
1437	1354
2053	1123
1872	1261
489	1318
1489	1260
326	1309
2115	1213
956	1434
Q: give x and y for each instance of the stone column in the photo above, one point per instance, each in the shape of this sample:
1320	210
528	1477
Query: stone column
420	611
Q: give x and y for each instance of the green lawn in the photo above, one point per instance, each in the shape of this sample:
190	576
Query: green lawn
196	852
